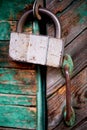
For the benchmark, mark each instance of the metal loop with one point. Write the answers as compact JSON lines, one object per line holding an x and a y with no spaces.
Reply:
{"x":43,"y":11}
{"x":36,"y":6}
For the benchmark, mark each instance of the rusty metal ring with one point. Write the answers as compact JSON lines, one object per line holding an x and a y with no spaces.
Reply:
{"x":43,"y":11}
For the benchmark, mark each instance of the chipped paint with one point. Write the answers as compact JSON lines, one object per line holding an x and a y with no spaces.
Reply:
{"x":17,"y":116}
{"x":10,"y":9}
{"x":82,"y":12}
{"x":5,"y":30}
{"x":17,"y":81}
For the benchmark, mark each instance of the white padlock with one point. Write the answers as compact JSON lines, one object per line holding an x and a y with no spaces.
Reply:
{"x":37,"y":49}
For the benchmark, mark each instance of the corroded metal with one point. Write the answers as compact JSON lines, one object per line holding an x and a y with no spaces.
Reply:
{"x":43,"y":11}
{"x":37,"y":4}
{"x":69,"y":114}
{"x":68,"y":61}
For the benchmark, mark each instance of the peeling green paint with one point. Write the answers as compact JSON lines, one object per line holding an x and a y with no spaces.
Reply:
{"x":11,"y":11}
{"x":82,"y":12}
{"x":20,"y":100}
{"x":13,"y":81}
{"x":17,"y":86}
{"x":5,"y":30}
{"x":11,"y":8}
{"x":16,"y":116}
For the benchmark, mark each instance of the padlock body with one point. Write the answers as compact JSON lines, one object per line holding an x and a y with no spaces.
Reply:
{"x":37,"y":49}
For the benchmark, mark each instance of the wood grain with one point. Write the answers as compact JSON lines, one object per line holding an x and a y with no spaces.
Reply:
{"x":55,"y":6}
{"x":11,"y":9}
{"x":21,"y":100}
{"x":13,"y":81}
{"x":78,"y":50}
{"x":57,"y":101}
{"x":73,"y":21}
{"x":17,"y":116}
{"x":81,"y":121}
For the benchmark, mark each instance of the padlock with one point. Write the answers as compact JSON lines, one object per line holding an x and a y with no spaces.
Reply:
{"x":37,"y":49}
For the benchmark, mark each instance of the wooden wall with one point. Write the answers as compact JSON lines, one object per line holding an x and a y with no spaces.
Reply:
{"x":18,"y":81}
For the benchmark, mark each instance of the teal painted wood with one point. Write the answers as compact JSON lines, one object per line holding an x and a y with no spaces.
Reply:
{"x":10,"y":10}
{"x":17,"y":81}
{"x":21,"y":100}
{"x":6,"y":27}
{"x":17,"y":98}
{"x":41,"y":88}
{"x":5,"y":30}
{"x":17,"y":86}
{"x":10,"y":13}
{"x":17,"y":116}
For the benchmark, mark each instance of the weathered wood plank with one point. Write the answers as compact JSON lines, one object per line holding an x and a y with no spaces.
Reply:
{"x":56,"y":6}
{"x":81,"y":126}
{"x":78,"y":50}
{"x":19,"y":117}
{"x":56,"y":101}
{"x":21,"y":100}
{"x":5,"y":128}
{"x":6,"y":61}
{"x":12,"y":9}
{"x":81,"y":120}
{"x":13,"y":81}
{"x":6,"y":27}
{"x":73,"y":21}
{"x":10,"y":15}
{"x":9,"y":128}
{"x":76,"y":20}
{"x":76,"y":17}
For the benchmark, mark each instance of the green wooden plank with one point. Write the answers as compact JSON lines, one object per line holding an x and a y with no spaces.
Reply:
{"x":16,"y":116}
{"x":17,"y":81}
{"x":10,"y":13}
{"x":21,"y":100}
{"x":11,"y":9}
{"x":41,"y":90}
{"x":5,"y":30}
{"x":6,"y":61}
{"x":6,"y":27}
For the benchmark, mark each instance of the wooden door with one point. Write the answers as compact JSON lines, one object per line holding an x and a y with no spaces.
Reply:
{"x":18,"y":81}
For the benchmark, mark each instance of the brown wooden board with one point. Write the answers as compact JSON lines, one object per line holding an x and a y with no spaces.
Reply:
{"x":57,"y":101}
{"x":15,"y":77}
{"x":78,"y":50}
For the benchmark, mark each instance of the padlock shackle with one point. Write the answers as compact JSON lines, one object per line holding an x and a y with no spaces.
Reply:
{"x":44,"y":11}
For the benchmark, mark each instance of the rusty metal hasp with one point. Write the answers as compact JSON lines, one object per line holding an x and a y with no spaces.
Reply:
{"x":37,"y":49}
